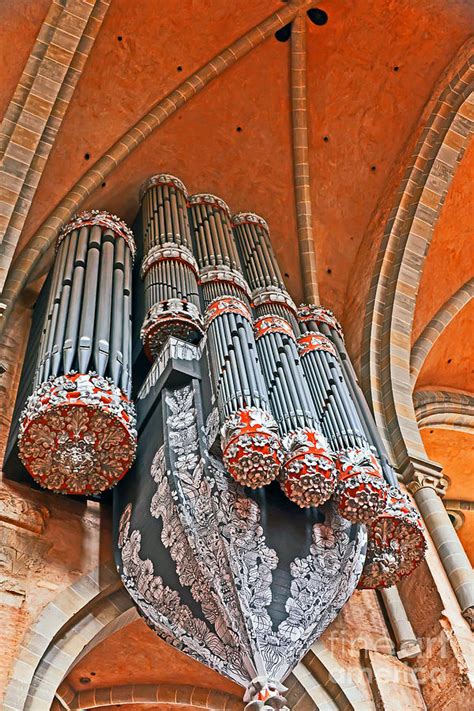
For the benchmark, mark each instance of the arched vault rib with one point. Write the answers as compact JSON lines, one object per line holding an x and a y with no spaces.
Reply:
{"x":391,"y":305}
{"x":444,"y":409}
{"x":44,"y":238}
{"x":436,"y":326}
{"x":35,"y":113}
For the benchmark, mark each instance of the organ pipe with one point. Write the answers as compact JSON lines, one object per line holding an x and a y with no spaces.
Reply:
{"x":77,"y":432}
{"x":284,"y":390}
{"x":252,"y":449}
{"x":169,"y":269}
{"x":395,"y":542}
{"x":308,"y":475}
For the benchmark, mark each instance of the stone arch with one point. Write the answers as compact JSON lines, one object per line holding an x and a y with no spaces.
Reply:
{"x":435,"y":327}
{"x":95,"y":607}
{"x":64,"y":627}
{"x":167,"y":694}
{"x":446,"y":128}
{"x":319,"y":681}
{"x":444,"y":409}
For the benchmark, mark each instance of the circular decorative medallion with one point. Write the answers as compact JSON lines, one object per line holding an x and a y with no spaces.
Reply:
{"x":77,"y":434}
{"x":251,"y":449}
{"x":172,"y":317}
{"x":396,"y":544}
{"x":361,"y":491}
{"x":308,"y":476}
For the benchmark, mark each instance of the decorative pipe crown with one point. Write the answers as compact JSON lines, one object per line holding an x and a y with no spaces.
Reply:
{"x":102,"y":218}
{"x":312,"y":312}
{"x":241,"y":218}
{"x":162,"y":179}
{"x":209,"y":199}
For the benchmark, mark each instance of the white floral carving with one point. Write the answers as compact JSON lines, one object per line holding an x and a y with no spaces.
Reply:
{"x":214,"y":535}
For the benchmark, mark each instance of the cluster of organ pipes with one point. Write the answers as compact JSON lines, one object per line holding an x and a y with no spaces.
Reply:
{"x":77,"y":432}
{"x":288,"y":402}
{"x":289,"y":405}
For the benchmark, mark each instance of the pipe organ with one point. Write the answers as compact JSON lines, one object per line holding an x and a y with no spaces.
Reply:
{"x":277,"y":378}
{"x":77,"y":431}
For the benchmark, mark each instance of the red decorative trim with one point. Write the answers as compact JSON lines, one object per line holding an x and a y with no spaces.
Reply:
{"x":242,"y":218}
{"x":225,"y":305}
{"x":224,"y":275}
{"x":312,"y":312}
{"x":273,"y":295}
{"x":312,"y":341}
{"x":166,"y":253}
{"x":272,"y":324}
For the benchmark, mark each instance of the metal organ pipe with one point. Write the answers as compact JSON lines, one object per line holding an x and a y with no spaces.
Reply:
{"x":367,"y":489}
{"x":252,"y":450}
{"x":308,"y":475}
{"x":77,"y":432}
{"x":169,"y":269}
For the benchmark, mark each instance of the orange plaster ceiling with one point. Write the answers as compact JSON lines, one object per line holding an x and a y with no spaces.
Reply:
{"x":136,"y":655}
{"x":454,"y":450}
{"x":450,"y":363}
{"x":466,"y":534}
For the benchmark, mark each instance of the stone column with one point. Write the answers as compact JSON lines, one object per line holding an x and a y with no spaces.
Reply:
{"x":407,"y":644}
{"x":427,"y":486}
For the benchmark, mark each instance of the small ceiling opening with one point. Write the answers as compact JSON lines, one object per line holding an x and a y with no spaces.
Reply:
{"x":317,"y":16}
{"x":284,"y":33}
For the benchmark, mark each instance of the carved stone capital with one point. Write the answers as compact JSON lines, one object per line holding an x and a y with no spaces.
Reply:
{"x":426,"y":473}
